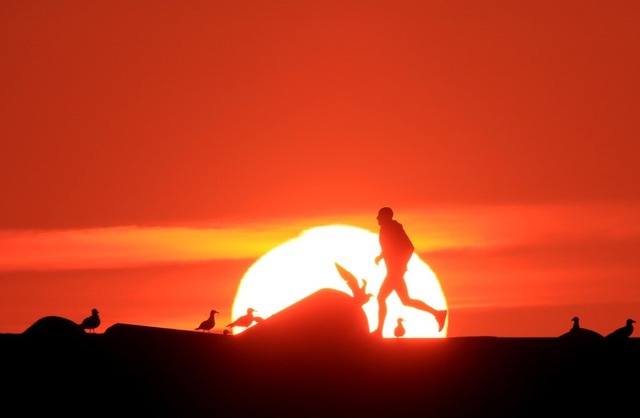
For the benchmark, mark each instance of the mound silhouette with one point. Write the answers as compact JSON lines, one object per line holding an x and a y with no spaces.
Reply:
{"x":54,"y":327}
{"x":326,"y":317}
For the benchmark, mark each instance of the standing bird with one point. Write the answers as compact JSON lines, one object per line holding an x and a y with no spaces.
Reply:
{"x":245,"y":320}
{"x":91,"y":322}
{"x":359,"y":293}
{"x":622,"y":333}
{"x":578,"y":333}
{"x":399,"y":330}
{"x":208,"y":324}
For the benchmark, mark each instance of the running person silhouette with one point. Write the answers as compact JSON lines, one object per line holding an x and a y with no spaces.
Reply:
{"x":396,"y":249}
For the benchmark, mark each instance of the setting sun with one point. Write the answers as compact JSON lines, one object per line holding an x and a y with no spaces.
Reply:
{"x":305,"y":264}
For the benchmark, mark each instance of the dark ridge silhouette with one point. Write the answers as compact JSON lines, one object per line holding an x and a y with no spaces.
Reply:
{"x":208,"y":324}
{"x":581,"y":334}
{"x":143,"y":334}
{"x":622,"y":333}
{"x":399,"y":330}
{"x":92,"y":322}
{"x":313,"y":359}
{"x":244,"y":321}
{"x":359,"y":292}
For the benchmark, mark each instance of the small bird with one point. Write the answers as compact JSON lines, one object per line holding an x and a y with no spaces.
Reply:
{"x":359,"y":292}
{"x":208,"y":324}
{"x":576,"y":332}
{"x":622,"y":333}
{"x":399,"y":330}
{"x":91,"y":322}
{"x":245,"y":320}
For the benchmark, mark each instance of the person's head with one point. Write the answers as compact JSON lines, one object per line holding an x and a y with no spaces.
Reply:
{"x":384,"y":214}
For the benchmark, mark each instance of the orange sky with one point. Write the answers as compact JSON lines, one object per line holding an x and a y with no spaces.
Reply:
{"x":151,"y":152}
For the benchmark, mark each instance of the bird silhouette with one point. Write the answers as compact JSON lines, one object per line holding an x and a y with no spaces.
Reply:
{"x":245,"y":320}
{"x":576,"y":332}
{"x":359,"y":292}
{"x":623,"y":332}
{"x":208,"y":324}
{"x":399,"y":330}
{"x":92,"y":322}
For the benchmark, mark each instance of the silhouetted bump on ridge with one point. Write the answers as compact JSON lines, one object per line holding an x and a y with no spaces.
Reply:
{"x":54,"y":326}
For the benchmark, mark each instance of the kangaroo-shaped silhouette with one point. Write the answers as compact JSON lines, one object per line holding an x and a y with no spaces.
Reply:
{"x":359,"y":292}
{"x":208,"y":324}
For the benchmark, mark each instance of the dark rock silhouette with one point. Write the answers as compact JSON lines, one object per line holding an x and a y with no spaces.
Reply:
{"x":623,"y":332}
{"x":581,"y":334}
{"x":244,"y":321}
{"x":208,"y":324}
{"x":399,"y":330}
{"x":359,"y":292}
{"x":92,"y":322}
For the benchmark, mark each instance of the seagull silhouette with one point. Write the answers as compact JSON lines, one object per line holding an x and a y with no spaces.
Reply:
{"x":245,"y":320}
{"x":208,"y":324}
{"x":623,"y":332}
{"x":359,"y":293}
{"x":399,"y":330}
{"x":576,"y":332}
{"x":91,"y":322}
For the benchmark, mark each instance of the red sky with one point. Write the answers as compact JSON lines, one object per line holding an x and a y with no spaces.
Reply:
{"x":152,"y":151}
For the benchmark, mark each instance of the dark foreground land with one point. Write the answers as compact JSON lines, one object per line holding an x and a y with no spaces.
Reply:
{"x":315,"y":359}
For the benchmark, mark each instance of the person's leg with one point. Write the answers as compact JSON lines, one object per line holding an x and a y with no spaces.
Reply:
{"x":385,"y":290}
{"x":403,"y":295}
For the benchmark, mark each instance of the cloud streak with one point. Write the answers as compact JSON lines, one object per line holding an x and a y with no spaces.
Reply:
{"x":131,"y":246}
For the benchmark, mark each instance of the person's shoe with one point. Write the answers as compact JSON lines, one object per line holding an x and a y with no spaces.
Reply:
{"x":441,"y":317}
{"x":377,"y":333}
